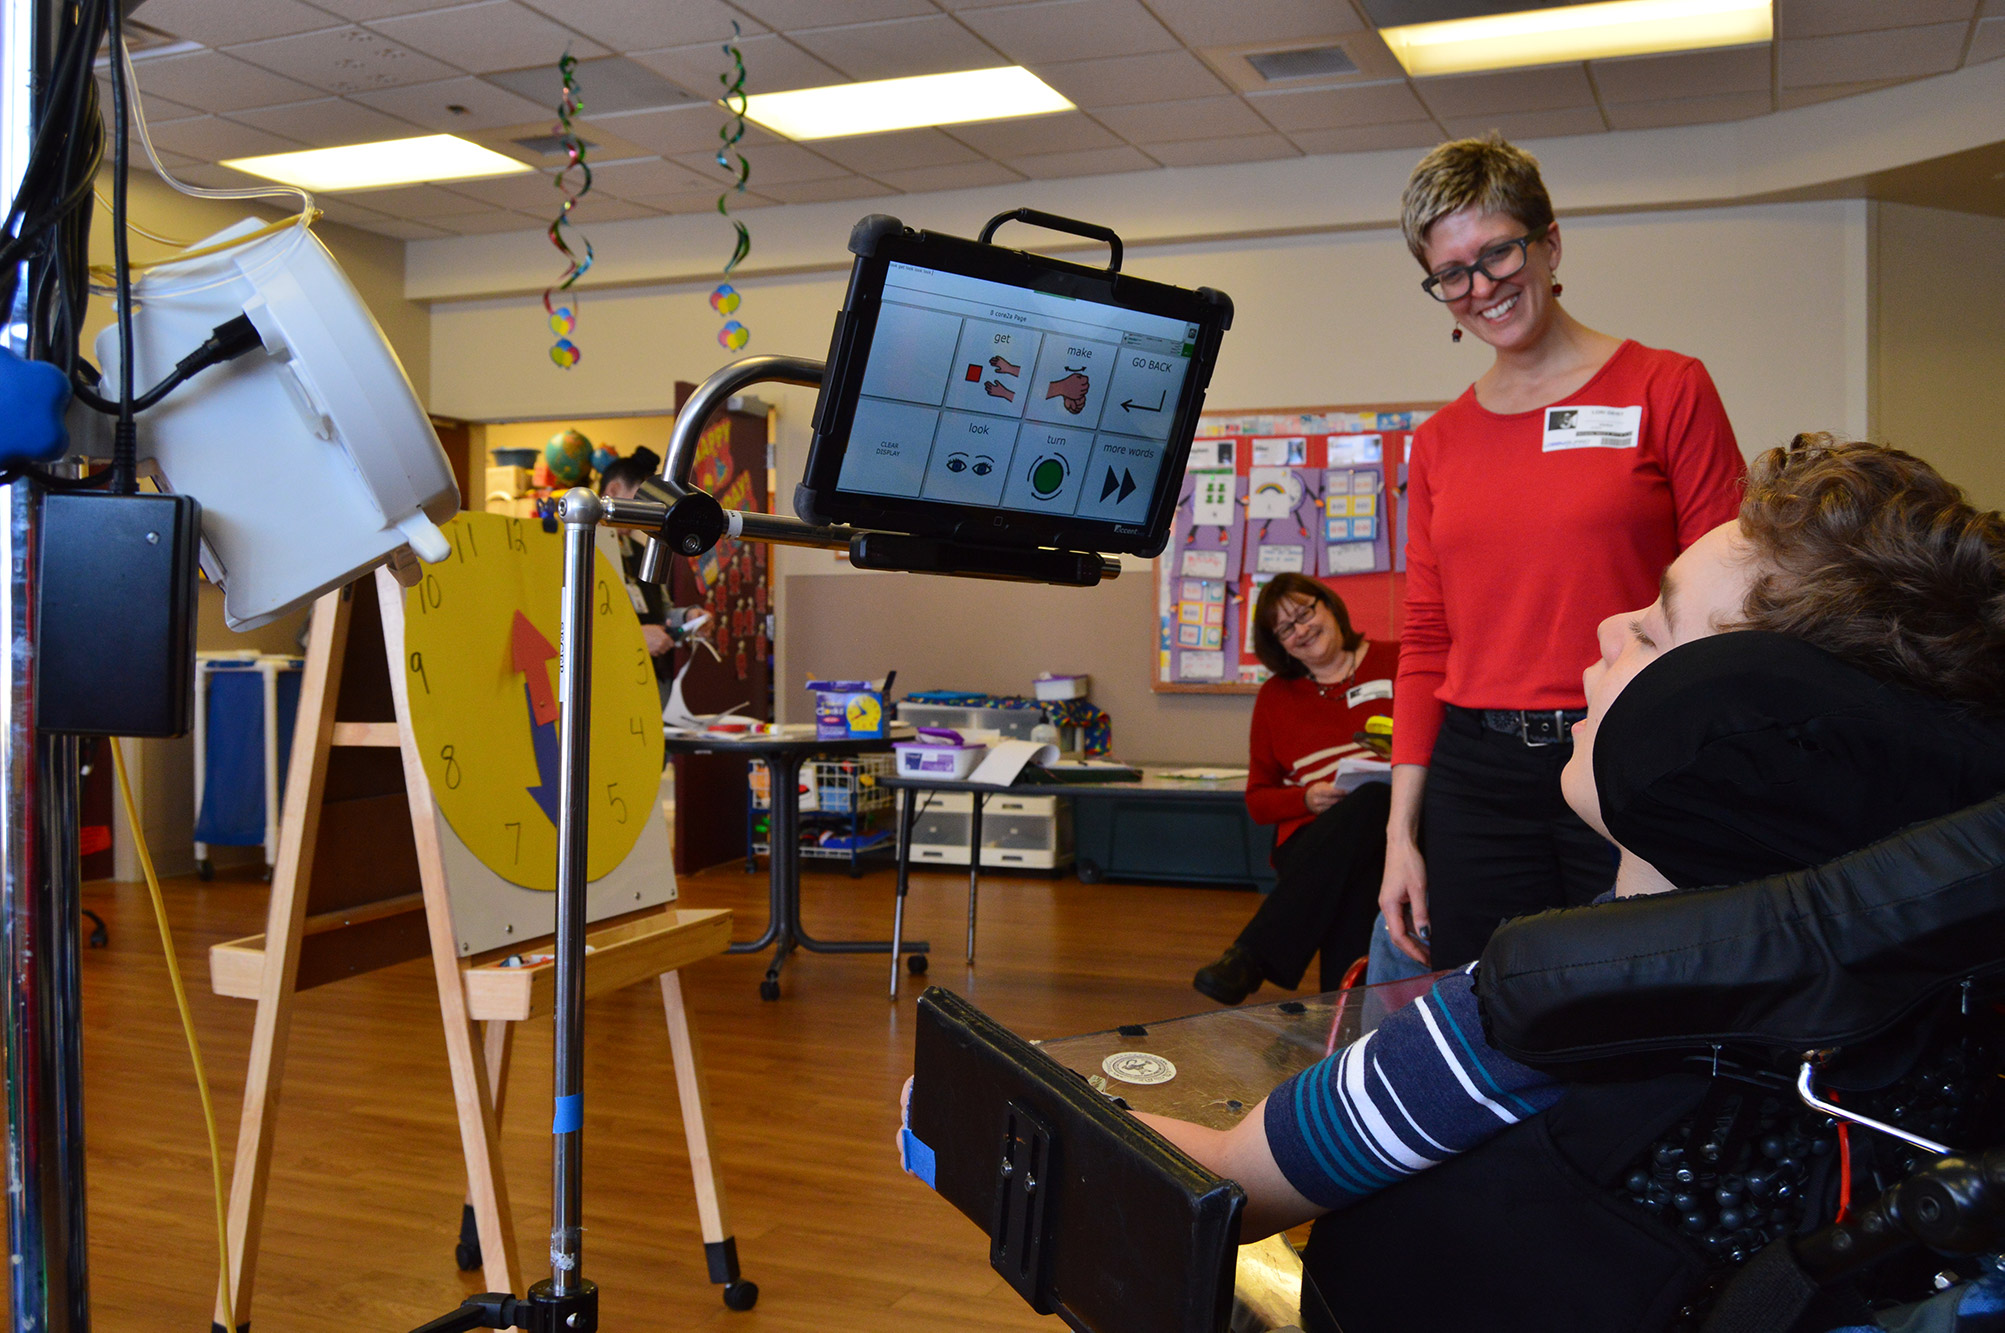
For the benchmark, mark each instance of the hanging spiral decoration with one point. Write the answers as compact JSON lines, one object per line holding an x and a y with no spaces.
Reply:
{"x":734,"y":335}
{"x":564,"y":318}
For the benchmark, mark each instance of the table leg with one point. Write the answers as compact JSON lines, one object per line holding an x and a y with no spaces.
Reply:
{"x":908,"y":809}
{"x":974,"y":867}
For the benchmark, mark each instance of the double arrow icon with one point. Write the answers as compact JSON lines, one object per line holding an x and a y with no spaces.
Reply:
{"x":1125,"y":484}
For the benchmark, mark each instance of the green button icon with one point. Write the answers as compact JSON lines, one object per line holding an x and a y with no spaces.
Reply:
{"x":1047,"y":476}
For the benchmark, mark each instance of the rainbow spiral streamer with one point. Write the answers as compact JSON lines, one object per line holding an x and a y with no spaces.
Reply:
{"x":564,"y":318}
{"x":734,"y":335}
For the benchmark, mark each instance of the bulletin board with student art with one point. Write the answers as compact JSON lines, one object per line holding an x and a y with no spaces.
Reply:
{"x":1319,"y":491}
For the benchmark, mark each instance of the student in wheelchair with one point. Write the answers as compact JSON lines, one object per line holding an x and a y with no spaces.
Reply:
{"x":1597,"y":1126}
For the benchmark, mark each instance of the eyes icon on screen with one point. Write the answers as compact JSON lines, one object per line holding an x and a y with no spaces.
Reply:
{"x":980,"y":464}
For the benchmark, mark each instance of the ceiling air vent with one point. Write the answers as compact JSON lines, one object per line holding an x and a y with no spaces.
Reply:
{"x":1303,"y":63}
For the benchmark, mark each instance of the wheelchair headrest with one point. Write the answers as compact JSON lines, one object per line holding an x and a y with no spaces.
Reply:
{"x":1829,"y":956}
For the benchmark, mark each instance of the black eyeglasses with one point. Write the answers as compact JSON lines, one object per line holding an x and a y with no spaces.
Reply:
{"x":1502,"y":260}
{"x":1284,"y":629}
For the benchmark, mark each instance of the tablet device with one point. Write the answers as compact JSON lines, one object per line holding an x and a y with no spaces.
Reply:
{"x":994,"y":397}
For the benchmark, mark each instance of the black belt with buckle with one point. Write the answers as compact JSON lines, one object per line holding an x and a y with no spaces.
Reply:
{"x":1534,"y":726}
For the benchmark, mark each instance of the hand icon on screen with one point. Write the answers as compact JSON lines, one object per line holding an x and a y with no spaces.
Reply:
{"x":996,"y":389}
{"x":1003,"y":367}
{"x":1072,"y":389}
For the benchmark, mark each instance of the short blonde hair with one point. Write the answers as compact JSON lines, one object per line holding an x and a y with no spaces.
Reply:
{"x":1486,"y":173}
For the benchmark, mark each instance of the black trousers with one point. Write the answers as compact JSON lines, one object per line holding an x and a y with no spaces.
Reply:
{"x":1326,"y":896}
{"x":1499,"y":838}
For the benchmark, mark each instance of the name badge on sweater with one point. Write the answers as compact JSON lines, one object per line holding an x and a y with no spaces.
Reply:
{"x":1592,"y":427}
{"x":1366,"y":692}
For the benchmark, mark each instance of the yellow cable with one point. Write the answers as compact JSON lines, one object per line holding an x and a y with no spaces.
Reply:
{"x":187,"y":1026}
{"x":104,"y":273}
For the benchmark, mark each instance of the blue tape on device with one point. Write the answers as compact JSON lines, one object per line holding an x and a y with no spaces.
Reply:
{"x":36,"y":394}
{"x":918,"y":1157}
{"x":570,"y":1116}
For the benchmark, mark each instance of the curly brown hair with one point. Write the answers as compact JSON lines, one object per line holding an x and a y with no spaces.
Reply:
{"x":1875,"y":557}
{"x":1279,"y":589}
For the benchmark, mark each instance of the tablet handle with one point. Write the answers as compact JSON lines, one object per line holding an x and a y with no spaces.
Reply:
{"x":1092,"y":231}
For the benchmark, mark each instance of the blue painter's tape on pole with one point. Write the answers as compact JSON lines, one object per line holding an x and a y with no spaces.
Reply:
{"x":570,"y":1117}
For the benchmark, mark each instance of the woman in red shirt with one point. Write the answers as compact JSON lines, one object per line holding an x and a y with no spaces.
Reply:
{"x":1549,"y":496}
{"x":1328,"y":681}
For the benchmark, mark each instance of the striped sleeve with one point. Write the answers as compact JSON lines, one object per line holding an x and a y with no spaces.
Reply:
{"x":1422,"y":1088}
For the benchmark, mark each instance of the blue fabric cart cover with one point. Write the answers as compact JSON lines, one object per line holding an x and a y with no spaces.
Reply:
{"x":233,"y":788}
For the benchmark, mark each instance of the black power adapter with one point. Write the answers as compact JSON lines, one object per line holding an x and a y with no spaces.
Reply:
{"x":115,"y":617}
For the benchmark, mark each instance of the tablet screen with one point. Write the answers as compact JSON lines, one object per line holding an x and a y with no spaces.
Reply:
{"x":984,"y":394}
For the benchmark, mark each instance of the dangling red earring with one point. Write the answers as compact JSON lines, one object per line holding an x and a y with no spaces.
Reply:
{"x":1456,"y":336}
{"x":1557,"y":287}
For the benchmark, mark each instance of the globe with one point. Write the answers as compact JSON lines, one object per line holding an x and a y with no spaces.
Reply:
{"x":569,"y":455}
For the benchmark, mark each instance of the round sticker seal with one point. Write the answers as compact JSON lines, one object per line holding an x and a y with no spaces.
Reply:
{"x":1138,"y":1067}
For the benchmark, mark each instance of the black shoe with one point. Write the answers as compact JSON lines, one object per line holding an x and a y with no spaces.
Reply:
{"x":1231,"y":979}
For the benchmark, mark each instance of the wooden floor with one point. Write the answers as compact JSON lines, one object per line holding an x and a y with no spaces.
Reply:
{"x":367,"y":1177}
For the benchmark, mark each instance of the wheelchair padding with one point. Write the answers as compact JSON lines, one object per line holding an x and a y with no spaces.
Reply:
{"x":1823,"y":957}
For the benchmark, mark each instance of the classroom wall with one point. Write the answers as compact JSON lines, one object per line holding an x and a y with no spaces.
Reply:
{"x":1773,"y":297}
{"x":1939,"y":380}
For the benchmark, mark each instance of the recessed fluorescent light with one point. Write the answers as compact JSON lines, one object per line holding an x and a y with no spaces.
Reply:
{"x":1578,"y":32}
{"x":371,"y":166}
{"x":903,"y":104}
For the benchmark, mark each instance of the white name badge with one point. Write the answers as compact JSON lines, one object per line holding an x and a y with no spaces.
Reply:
{"x":1367,"y":691}
{"x":1592,"y":428}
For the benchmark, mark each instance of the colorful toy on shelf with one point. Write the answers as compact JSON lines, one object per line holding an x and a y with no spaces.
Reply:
{"x":568,"y":455}
{"x":603,"y":456}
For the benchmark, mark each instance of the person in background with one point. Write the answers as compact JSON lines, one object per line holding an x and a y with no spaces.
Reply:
{"x":1329,"y":852}
{"x":1553,"y":493}
{"x":620,"y":481}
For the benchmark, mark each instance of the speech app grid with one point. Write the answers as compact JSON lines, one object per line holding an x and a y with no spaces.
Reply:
{"x":992,"y":396}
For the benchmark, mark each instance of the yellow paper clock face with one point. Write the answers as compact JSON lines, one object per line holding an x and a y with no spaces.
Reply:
{"x":480,"y":663}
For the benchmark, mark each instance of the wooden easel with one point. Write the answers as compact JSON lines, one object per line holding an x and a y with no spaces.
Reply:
{"x":360,"y":884}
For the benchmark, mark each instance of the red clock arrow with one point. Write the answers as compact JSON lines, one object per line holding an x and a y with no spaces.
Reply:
{"x":530,"y":651}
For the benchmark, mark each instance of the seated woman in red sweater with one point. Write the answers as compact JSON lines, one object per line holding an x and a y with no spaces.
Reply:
{"x":1329,"y":846}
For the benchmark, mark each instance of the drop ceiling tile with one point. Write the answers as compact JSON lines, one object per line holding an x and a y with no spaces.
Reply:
{"x":637,"y":180}
{"x":1368,"y":138}
{"x":173,"y":161}
{"x":1820,"y":18}
{"x":484,"y":106}
{"x":1285,"y":22}
{"x":343,"y":60}
{"x":1206,"y":152}
{"x":213,"y":25}
{"x":772,"y":65}
{"x":1789,"y":98}
{"x":821,"y":192}
{"x":1554,"y":124}
{"x":1060,"y":132}
{"x":605,"y":85}
{"x":1897,"y":53}
{"x":1071,"y":30}
{"x":789,"y":15}
{"x":491,"y":35}
{"x":1166,"y":76}
{"x":1091,"y":162}
{"x":1688,"y":110}
{"x":414,"y":201}
{"x":896,"y":151}
{"x":327,"y":122}
{"x":212,"y":138}
{"x":405,"y":231}
{"x":1337,"y":108}
{"x":679,"y":129}
{"x":357,"y":11}
{"x":958,"y":6}
{"x":1737,"y":69}
{"x":528,"y":192}
{"x":209,"y":81}
{"x":158,"y":109}
{"x":346,"y":211}
{"x":899,"y":47}
{"x":1197,"y":118}
{"x":775,"y":164}
{"x":604,"y":208}
{"x":705,"y":201}
{"x":1993,"y":9}
{"x":648,"y":25}
{"x":957,"y":176}
{"x":1988,"y":43}
{"x":485,"y":222}
{"x":1548,"y":89}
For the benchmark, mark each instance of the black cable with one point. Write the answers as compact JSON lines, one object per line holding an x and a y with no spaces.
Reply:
{"x":125,"y":435}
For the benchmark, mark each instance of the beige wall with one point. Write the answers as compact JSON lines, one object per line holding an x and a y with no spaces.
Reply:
{"x":1939,"y":377}
{"x":1772,"y":297}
